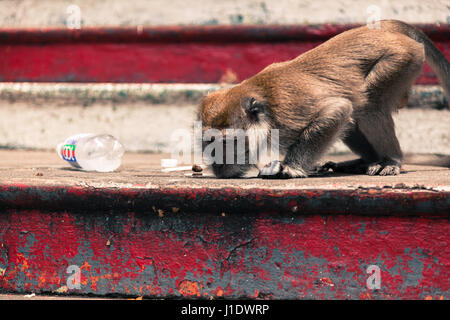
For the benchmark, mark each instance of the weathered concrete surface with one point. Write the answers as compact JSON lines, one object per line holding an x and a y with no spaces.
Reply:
{"x":48,"y":184}
{"x":87,"y":94}
{"x":39,"y":168}
{"x":29,"y":13}
{"x":140,"y":232}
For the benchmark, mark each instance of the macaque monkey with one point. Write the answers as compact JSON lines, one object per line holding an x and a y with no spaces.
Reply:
{"x":346,"y":88}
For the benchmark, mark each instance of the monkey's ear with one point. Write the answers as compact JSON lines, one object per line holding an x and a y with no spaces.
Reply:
{"x":253,"y":106}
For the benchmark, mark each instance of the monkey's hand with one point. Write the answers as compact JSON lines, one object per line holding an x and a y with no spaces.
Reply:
{"x":325,"y":167}
{"x":278,"y":170}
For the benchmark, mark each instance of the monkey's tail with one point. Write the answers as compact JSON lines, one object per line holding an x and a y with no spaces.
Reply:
{"x":433,"y":56}
{"x":438,"y":160}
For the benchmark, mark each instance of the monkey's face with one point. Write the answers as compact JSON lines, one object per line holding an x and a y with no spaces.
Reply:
{"x":230,"y":120}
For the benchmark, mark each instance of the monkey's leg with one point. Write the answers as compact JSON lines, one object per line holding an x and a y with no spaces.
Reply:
{"x":388,"y":83}
{"x":359,"y":144}
{"x":380,"y":132}
{"x":333,"y":117}
{"x":376,"y":123}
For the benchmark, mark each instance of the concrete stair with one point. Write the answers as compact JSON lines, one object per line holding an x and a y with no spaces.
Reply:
{"x":143,"y":232}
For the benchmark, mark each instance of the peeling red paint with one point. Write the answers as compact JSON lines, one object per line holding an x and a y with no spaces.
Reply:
{"x":255,"y":256}
{"x":189,"y":288}
{"x":165,"y":54}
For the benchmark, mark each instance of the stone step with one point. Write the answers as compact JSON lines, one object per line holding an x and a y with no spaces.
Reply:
{"x":116,"y":94}
{"x":205,"y":12}
{"x":142,"y":232}
{"x":168,"y":54}
{"x":145,"y":116}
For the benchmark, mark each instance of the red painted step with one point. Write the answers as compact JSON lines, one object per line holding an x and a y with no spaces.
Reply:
{"x":190,"y":54}
{"x":280,"y":244}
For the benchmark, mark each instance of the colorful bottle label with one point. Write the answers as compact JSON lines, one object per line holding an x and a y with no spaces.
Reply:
{"x":66,"y":149}
{"x":68,"y":152}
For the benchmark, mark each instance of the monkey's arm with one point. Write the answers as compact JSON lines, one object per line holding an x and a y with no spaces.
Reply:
{"x":333,"y":117}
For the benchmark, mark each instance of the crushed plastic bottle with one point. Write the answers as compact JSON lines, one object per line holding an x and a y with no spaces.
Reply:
{"x":92,"y":152}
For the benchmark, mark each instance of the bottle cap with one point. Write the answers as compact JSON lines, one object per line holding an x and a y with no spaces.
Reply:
{"x":58,"y":149}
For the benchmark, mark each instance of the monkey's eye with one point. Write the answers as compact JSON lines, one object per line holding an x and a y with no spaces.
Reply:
{"x":253,"y":106}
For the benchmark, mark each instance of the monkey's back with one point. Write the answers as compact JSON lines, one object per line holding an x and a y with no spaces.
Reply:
{"x":348,"y":65}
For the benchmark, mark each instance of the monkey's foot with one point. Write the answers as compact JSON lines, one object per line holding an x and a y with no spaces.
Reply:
{"x":278,"y":170}
{"x":384,"y":168}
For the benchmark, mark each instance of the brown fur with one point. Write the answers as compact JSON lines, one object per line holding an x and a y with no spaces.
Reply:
{"x":345,"y":88}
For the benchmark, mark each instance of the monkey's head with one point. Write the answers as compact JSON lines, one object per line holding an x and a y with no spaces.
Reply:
{"x":231,"y":120}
